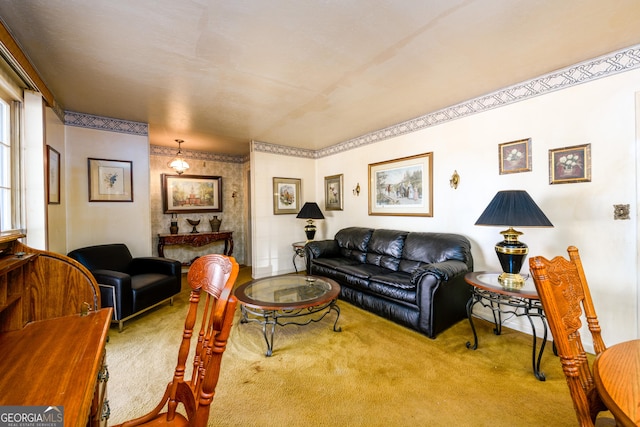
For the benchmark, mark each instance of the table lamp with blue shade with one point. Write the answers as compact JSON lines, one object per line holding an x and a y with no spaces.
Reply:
{"x":512,"y":208}
{"x":310,"y":211}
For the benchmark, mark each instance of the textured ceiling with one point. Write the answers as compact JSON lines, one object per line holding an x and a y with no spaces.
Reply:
{"x":307,"y":74}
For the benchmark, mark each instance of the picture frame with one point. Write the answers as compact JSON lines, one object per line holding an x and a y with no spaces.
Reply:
{"x":110,"y":180}
{"x":333,"y":193}
{"x":286,"y":195}
{"x":53,"y":176}
{"x":402,"y":187}
{"x":515,"y":156}
{"x":570,"y":164}
{"x":191,"y":193}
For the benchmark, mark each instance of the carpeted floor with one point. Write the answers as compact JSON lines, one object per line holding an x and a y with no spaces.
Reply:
{"x":373,"y":373}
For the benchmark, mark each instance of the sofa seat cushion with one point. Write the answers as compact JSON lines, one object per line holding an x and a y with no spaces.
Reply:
{"x":149,"y":289}
{"x":396,"y":285}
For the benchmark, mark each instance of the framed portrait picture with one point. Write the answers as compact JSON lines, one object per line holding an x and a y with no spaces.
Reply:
{"x":191,"y":193}
{"x":53,"y":176}
{"x":402,"y":186}
{"x":333,"y":193}
{"x":570,"y":164}
{"x":110,"y":180}
{"x":515,"y":156}
{"x":286,"y":195}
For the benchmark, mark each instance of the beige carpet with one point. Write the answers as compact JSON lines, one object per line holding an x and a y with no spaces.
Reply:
{"x":373,"y":373}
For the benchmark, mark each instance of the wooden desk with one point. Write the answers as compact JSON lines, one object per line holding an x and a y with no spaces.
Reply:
{"x":617,"y":376}
{"x":56,"y":362}
{"x":196,"y":240}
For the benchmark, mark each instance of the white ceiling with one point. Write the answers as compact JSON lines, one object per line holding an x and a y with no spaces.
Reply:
{"x":301,"y":73}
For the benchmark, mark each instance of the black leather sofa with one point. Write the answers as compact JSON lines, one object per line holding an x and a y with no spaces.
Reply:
{"x":130,"y":285}
{"x":413,"y":278}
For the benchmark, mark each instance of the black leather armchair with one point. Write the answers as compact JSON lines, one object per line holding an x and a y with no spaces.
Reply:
{"x":130,"y":285}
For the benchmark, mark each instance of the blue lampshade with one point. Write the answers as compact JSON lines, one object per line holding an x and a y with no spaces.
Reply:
{"x":513,"y":208}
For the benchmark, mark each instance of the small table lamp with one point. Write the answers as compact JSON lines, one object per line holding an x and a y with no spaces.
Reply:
{"x":310,"y":211}
{"x":512,"y":208}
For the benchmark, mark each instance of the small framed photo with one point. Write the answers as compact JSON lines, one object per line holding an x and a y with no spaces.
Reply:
{"x":333,"y":193}
{"x":515,"y":156}
{"x":191,"y":193}
{"x":53,"y":176}
{"x":286,"y":196}
{"x":110,"y":180}
{"x":402,"y":187}
{"x":570,"y":164}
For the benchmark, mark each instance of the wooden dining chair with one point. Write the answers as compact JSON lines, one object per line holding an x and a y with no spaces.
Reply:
{"x":564,"y":293}
{"x":215,"y":275}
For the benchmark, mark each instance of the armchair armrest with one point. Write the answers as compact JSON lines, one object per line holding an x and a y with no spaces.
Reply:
{"x":159,"y":265}
{"x":120,"y":297}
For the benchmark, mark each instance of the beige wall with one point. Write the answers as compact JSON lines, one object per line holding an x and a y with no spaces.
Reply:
{"x":56,"y":214}
{"x":601,"y":113}
{"x":93,"y":223}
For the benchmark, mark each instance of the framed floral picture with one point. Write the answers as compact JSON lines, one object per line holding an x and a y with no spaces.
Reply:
{"x":110,"y":180}
{"x":333,"y":188}
{"x":286,"y":196}
{"x":570,"y":164}
{"x":515,"y":156}
{"x":402,"y":187}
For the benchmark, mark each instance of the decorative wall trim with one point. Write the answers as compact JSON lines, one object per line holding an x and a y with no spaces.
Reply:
{"x":105,"y":123}
{"x":157,"y":150}
{"x":283,"y":150}
{"x":604,"y":66}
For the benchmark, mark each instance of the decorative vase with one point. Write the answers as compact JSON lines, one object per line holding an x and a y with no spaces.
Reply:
{"x":173,"y":229}
{"x":215,"y":224}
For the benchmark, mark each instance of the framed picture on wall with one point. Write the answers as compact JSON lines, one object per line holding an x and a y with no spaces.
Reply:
{"x":286,"y":195}
{"x":515,"y":156}
{"x":110,"y":180}
{"x":333,"y":193}
{"x":53,"y":176}
{"x":402,"y":186}
{"x":191,"y":193}
{"x":570,"y":164}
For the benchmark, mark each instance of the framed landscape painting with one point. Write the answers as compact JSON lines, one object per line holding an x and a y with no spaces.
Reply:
{"x":286,"y":196}
{"x":402,"y":186}
{"x":191,"y":193}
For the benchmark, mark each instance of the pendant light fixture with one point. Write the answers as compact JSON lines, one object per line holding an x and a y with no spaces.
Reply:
{"x":178,"y":163}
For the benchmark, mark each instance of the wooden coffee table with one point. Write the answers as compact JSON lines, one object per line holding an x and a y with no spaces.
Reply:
{"x":290,"y":299}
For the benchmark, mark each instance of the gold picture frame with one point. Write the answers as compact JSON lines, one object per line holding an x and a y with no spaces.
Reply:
{"x":402,"y":187}
{"x":286,"y":195}
{"x":515,"y":156}
{"x":333,"y":193}
{"x":110,"y":180}
{"x":570,"y":164}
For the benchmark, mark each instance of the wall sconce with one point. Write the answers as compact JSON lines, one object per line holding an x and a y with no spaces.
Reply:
{"x":234,"y":195}
{"x":178,"y":163}
{"x":356,"y":191}
{"x":455,"y":180}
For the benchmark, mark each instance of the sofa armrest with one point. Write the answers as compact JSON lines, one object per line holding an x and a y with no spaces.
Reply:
{"x":442,"y":270}
{"x":320,"y":249}
{"x":143,"y":265}
{"x":121,"y":298}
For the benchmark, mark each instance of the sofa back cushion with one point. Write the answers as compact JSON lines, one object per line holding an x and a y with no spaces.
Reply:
{"x":421,"y":248}
{"x":116,"y":257}
{"x":353,"y":242}
{"x":385,"y":248}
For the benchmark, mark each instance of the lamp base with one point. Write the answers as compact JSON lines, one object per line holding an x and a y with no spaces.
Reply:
{"x":310,"y":230}
{"x":511,"y":281}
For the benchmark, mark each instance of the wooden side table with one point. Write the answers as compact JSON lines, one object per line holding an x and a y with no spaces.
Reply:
{"x":486,"y":290}
{"x":196,"y":240}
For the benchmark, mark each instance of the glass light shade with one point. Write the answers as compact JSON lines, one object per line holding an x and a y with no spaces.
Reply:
{"x":179,"y":165}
